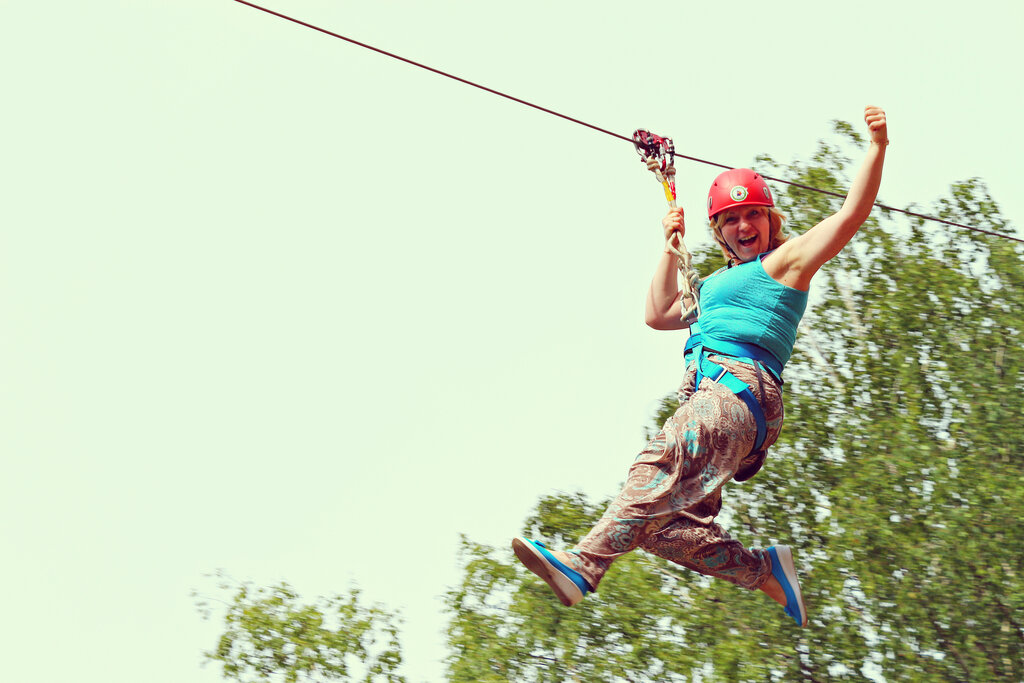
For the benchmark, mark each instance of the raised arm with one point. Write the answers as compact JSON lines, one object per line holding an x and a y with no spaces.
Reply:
{"x":796,"y":261}
{"x":663,"y":309}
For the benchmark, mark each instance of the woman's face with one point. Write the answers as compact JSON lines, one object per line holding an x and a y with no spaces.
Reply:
{"x":745,"y":229}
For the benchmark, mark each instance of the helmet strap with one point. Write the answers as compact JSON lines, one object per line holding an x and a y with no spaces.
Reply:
{"x":725,"y":245}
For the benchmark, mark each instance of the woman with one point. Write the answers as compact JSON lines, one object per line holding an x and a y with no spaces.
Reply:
{"x":731,"y":400}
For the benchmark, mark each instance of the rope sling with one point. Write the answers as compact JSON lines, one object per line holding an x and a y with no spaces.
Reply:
{"x":658,"y":153}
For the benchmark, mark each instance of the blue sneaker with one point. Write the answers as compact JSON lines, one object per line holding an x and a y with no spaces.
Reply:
{"x":568,"y":584}
{"x":784,"y":572}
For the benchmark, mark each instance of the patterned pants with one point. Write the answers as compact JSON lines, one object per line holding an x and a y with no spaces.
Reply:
{"x":674,"y":488}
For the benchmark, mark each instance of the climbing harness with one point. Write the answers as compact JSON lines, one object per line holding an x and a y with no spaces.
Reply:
{"x":659,"y":155}
{"x":761,"y":361}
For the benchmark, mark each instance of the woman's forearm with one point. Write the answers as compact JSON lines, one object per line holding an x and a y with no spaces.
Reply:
{"x":662,"y":310}
{"x":864,"y":189}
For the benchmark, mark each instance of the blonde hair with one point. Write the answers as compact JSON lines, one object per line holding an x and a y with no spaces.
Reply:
{"x":775,"y":235}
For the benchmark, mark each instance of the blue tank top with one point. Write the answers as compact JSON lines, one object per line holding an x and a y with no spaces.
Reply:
{"x":745,"y":305}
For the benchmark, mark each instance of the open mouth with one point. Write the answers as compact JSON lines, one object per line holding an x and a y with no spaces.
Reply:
{"x":748,"y":241}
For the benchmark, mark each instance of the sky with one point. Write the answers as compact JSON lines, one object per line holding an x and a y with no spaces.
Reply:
{"x":276,"y":304}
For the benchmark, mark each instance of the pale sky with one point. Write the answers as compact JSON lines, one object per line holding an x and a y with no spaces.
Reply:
{"x":277,"y":304}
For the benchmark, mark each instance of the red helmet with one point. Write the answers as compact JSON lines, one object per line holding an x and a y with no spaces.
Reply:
{"x":738,"y":187}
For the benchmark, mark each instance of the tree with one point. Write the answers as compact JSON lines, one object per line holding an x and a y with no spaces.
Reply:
{"x":271,"y":635}
{"x":898,"y":479}
{"x":508,"y":627}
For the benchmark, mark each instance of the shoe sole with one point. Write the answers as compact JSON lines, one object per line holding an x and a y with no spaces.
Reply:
{"x":785,"y":556}
{"x":568,"y":592}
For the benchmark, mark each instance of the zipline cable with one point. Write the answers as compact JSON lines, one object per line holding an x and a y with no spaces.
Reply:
{"x":433,"y":70}
{"x":604,"y":130}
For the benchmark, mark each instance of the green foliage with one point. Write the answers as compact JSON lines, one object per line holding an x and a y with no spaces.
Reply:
{"x":271,"y":635}
{"x":508,"y":626}
{"x":901,"y":451}
{"x":897,"y":479}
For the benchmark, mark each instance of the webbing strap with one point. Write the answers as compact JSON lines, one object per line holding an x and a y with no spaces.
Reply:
{"x":716,"y":373}
{"x":694,"y":341}
{"x":746,"y":353}
{"x":748,"y":397}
